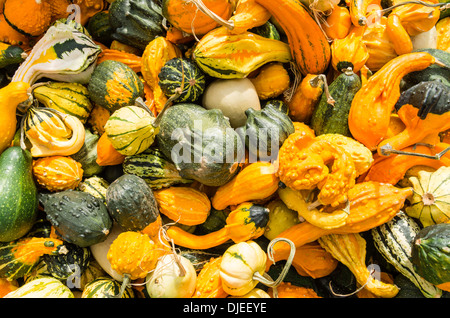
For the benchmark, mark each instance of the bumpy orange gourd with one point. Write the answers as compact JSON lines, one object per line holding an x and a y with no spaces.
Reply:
{"x":350,"y":250}
{"x":303,"y":164}
{"x":443,"y":34}
{"x":417,"y":18}
{"x":10,"y":97}
{"x":371,"y":204}
{"x":29,"y":17}
{"x":57,"y":173}
{"x":255,"y":182}
{"x":372,"y":105}
{"x":287,"y":290}
{"x":209,"y":283}
{"x":183,"y":205}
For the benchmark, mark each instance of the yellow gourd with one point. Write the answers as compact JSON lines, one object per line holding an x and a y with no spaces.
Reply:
{"x":10,"y":97}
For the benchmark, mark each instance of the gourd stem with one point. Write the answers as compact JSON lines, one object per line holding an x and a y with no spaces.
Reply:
{"x":321,"y":78}
{"x":203,"y":8}
{"x":126,"y":281}
{"x":387,"y":149}
{"x":166,"y":106}
{"x":266,"y":279}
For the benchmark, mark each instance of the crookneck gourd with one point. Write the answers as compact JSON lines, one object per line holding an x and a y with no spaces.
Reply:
{"x":425,"y":110}
{"x":373,"y":104}
{"x":246,"y":222}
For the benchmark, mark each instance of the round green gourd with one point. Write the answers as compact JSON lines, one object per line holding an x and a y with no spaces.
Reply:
{"x":104,"y":287}
{"x":184,"y":76}
{"x":431,"y":253}
{"x":131,"y":203}
{"x":201,"y":143}
{"x":68,"y":265}
{"x":136,"y":22}
{"x":19,"y":197}
{"x":78,"y":217}
{"x":114,"y":84}
{"x":99,"y":28}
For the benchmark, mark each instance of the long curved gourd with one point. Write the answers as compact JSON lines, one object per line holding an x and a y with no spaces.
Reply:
{"x":371,"y":204}
{"x":246,"y":222}
{"x":10,"y":97}
{"x":309,"y":45}
{"x":372,"y":105}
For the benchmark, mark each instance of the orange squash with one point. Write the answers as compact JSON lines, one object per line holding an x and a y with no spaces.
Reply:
{"x":183,"y":205}
{"x":248,"y":15}
{"x":305,"y":98}
{"x":349,"y":51}
{"x":130,"y":59}
{"x":287,"y":290}
{"x":28,"y":17}
{"x":398,"y":35}
{"x":209,"y":283}
{"x":107,"y":155}
{"x":338,"y":23}
{"x":373,"y":104}
{"x":194,"y":17}
{"x":57,"y":173}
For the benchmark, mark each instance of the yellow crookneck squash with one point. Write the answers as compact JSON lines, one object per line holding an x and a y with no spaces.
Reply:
{"x":349,"y":51}
{"x":10,"y":97}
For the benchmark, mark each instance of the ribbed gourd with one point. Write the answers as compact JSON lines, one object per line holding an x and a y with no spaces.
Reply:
{"x":429,"y":202}
{"x":152,"y":166}
{"x":69,"y":98}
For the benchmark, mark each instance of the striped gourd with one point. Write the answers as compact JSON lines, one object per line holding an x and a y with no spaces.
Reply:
{"x":130,"y":130}
{"x":64,"y":53}
{"x":157,"y":171}
{"x":104,"y":287}
{"x":224,"y":55}
{"x":394,"y":241}
{"x":183,"y":75}
{"x":309,"y":46}
{"x":43,"y":287}
{"x":96,"y":186}
{"x":68,"y":98}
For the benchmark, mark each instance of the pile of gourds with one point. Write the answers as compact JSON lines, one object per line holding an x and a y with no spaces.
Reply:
{"x":224,"y":149}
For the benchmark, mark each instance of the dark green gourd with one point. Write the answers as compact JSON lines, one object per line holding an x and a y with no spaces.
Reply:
{"x":72,"y":263}
{"x":18,"y":194}
{"x":131,"y":203}
{"x":265,"y":130}
{"x":77,"y":216}
{"x":333,"y":118}
{"x":201,"y":143}
{"x":136,"y":22}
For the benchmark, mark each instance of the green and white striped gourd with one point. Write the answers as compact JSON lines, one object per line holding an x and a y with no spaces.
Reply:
{"x":96,"y":186}
{"x":394,"y":241}
{"x":64,"y":53}
{"x":43,"y":287}
{"x":104,"y":287}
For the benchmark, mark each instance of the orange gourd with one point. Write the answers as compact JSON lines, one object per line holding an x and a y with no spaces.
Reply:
{"x":398,"y":35}
{"x":288,"y":290}
{"x":255,"y":182}
{"x":98,"y":118}
{"x":338,"y":23}
{"x":417,"y":18}
{"x":305,"y":98}
{"x":373,"y":104}
{"x":28,"y":17}
{"x":183,"y":205}
{"x":57,"y":173}
{"x":209,"y":283}
{"x":130,"y":59}
{"x":107,"y":155}
{"x":247,"y":15}
{"x":11,"y":36}
{"x":197,"y":17}
{"x":349,"y":51}
{"x":271,"y":81}
{"x":371,"y":204}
